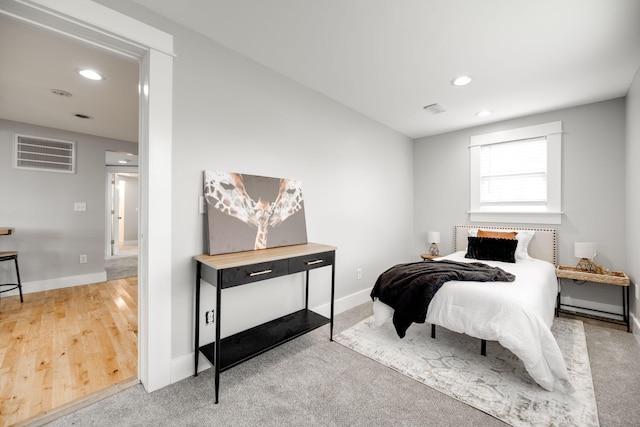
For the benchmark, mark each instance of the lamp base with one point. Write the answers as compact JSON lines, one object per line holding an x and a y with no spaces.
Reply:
{"x":588,"y":266}
{"x":433,"y":249}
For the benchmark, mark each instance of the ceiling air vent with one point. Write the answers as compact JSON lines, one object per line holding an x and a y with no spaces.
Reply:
{"x":45,"y":154}
{"x":434,"y":108}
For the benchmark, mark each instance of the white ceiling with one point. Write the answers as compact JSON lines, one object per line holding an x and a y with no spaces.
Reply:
{"x":389,"y":58}
{"x":384,"y":58}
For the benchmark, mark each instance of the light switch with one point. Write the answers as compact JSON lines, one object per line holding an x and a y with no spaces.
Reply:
{"x":80,"y":206}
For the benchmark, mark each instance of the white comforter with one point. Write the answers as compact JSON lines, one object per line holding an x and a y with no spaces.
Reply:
{"x":517,"y":314}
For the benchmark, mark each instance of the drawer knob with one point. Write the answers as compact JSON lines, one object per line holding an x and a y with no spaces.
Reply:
{"x":259,"y":273}
{"x":318,"y":261}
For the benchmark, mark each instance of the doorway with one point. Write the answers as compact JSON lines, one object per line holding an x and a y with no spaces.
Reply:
{"x":121,"y":245}
{"x":105,"y":28}
{"x":122,"y":207}
{"x":124,"y":214}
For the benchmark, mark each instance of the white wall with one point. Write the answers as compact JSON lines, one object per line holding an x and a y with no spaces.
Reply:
{"x":232,"y":114}
{"x":50,"y":235}
{"x":593,"y":189}
{"x":632,"y":157}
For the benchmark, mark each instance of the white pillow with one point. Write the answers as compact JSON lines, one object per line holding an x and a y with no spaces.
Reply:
{"x":523,"y":237}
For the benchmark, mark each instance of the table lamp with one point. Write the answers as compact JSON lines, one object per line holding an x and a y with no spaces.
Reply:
{"x":433,"y":237}
{"x":586,"y":252}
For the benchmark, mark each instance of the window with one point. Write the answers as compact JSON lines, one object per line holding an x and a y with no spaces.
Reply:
{"x":515,"y":175}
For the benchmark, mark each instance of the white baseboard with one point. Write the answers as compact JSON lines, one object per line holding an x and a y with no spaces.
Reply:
{"x":345,"y":303}
{"x":59,"y":283}
{"x":182,"y":367}
{"x":635,"y":328}
{"x":587,"y":305}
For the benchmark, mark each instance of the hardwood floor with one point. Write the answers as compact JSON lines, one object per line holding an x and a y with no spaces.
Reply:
{"x":63,"y":345}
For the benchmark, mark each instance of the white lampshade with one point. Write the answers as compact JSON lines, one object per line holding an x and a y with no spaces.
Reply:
{"x":584,"y":250}
{"x":433,"y":237}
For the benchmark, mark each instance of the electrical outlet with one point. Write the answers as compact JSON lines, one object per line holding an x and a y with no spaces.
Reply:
{"x":359,"y":273}
{"x":83,"y":259}
{"x":209,"y":317}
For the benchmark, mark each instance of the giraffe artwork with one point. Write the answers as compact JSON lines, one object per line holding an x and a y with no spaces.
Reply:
{"x":248,"y":212}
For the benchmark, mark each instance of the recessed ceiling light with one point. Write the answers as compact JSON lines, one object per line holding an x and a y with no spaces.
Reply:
{"x":484,"y":113}
{"x":461,"y":80}
{"x":90,"y":74}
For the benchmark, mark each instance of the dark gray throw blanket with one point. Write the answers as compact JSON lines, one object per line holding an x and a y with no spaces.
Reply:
{"x":409,"y":288}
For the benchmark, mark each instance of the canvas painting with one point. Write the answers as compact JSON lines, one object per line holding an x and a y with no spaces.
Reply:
{"x":248,"y":212}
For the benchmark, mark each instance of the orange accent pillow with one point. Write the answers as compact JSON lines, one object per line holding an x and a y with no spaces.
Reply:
{"x":511,"y":235}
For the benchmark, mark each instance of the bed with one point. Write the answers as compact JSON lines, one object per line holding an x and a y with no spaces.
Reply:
{"x":518,"y":314}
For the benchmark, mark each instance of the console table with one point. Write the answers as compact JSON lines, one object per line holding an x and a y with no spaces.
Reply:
{"x":241,"y":268}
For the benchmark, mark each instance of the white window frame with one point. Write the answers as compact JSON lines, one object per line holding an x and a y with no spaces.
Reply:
{"x":551,"y":213}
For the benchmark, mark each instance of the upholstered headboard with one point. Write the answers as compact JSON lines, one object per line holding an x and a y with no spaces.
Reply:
{"x":542,"y":245}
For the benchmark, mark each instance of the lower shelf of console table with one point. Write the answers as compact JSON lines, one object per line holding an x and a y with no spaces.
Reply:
{"x":247,"y":344}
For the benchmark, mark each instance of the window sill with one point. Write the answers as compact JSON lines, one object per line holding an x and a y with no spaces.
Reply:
{"x":516,"y":217}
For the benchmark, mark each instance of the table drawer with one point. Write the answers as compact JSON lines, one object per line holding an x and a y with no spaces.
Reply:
{"x":253,"y":273}
{"x":309,"y":262}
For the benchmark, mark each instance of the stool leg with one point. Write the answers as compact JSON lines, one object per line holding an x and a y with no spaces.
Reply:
{"x":18,"y":275}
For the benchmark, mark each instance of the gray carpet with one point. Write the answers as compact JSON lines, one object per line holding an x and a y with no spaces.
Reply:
{"x":312,"y":381}
{"x":121,"y":267}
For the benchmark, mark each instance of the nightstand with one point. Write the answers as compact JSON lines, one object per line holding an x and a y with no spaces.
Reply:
{"x":615,"y":278}
{"x":427,"y":256}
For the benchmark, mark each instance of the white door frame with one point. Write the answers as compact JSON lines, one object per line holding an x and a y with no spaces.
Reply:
{"x":102,"y":27}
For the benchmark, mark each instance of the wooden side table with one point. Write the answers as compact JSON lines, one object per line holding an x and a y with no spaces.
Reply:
{"x":427,"y":256}
{"x":615,"y":278}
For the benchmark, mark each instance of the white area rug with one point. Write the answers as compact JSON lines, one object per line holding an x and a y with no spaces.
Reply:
{"x":497,"y":384}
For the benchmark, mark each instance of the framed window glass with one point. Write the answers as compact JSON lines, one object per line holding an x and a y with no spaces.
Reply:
{"x":516,"y":175}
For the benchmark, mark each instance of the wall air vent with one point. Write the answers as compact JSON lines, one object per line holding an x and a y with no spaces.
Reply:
{"x":44,"y":154}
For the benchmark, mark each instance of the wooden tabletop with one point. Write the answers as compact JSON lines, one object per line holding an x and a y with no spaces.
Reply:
{"x":5,"y":231}
{"x":613,"y":278}
{"x":237,"y":259}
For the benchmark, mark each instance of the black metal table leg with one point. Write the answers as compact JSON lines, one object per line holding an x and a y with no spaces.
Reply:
{"x":333,"y":291}
{"x":197,"y":322}
{"x":217,"y":348}
{"x":306,"y":291}
{"x":625,"y":307}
